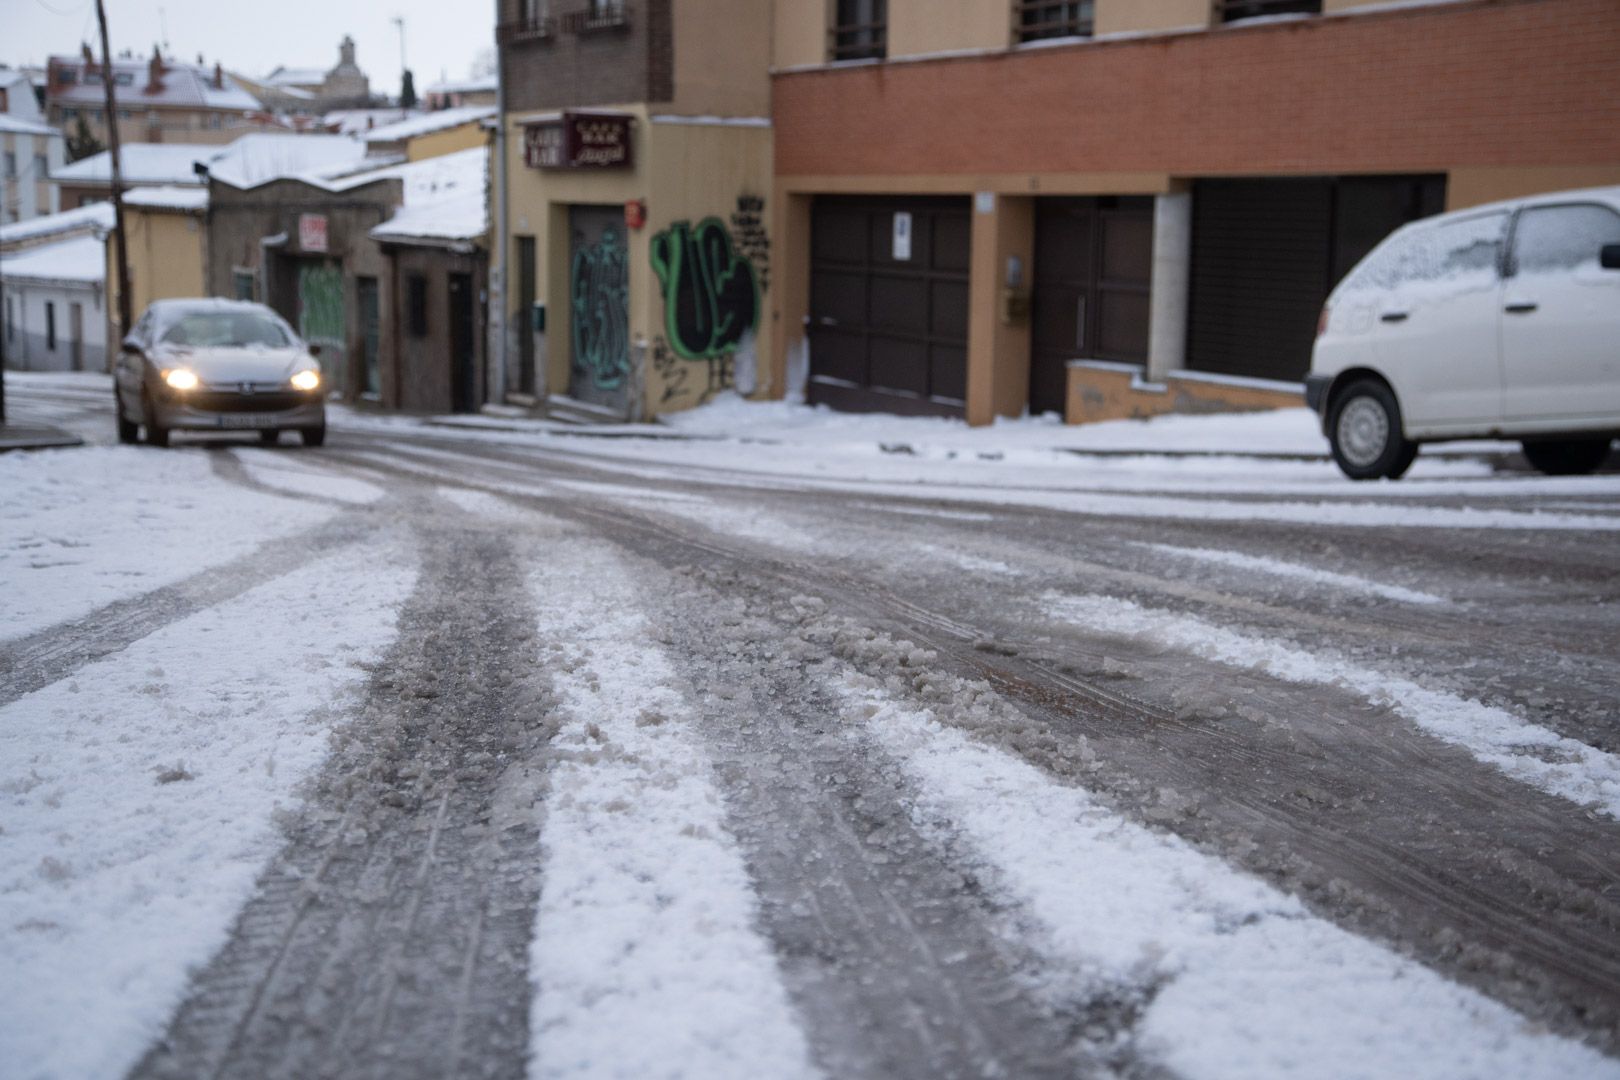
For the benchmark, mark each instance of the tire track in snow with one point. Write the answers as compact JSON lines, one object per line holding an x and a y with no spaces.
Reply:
{"x":1236,"y":980}
{"x":645,"y":959}
{"x":137,"y":799}
{"x":1525,"y":751}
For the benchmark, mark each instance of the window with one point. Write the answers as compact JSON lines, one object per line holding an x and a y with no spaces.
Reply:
{"x":1034,"y":20}
{"x":66,"y":76}
{"x":70,"y":114}
{"x":11,"y":164}
{"x":242,"y":284}
{"x":416,"y":304}
{"x":1458,"y":253}
{"x":92,"y":78}
{"x":11,"y":321}
{"x":1233,"y":10}
{"x":50,"y":326}
{"x":124,"y":78}
{"x":1562,"y":237}
{"x":860,"y":30}
{"x":41,"y":168}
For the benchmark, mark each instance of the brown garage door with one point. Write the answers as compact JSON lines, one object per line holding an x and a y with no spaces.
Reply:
{"x":1093,"y":270}
{"x":888,"y":304}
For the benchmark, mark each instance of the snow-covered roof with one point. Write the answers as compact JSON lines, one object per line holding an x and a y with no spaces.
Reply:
{"x":168,"y":198}
{"x":359,"y":121}
{"x":14,"y":125}
{"x":248,"y":161}
{"x":286,"y":76}
{"x":183,"y":85}
{"x":482,"y":84}
{"x":445,"y":199}
{"x":96,"y":216}
{"x":81,"y":259}
{"x":428,"y":123}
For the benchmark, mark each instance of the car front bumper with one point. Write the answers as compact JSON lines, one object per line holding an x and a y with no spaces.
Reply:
{"x":1316,"y":392}
{"x":265,"y":412}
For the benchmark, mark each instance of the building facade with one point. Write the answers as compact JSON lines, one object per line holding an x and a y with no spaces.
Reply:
{"x":633,"y":274}
{"x":53,"y":299}
{"x":166,"y":241}
{"x":981,"y":210}
{"x":156,"y":100}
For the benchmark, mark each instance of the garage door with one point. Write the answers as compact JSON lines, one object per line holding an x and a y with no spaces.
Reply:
{"x":1266,"y":253}
{"x":888,"y":304}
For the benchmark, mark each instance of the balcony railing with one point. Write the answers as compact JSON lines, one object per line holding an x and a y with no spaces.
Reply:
{"x":541,"y":28}
{"x":599,"y":16}
{"x":1034,"y":20}
{"x":1232,"y":10}
{"x":859,"y":41}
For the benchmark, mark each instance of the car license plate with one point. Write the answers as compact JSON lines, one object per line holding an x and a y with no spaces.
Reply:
{"x":247,"y":420}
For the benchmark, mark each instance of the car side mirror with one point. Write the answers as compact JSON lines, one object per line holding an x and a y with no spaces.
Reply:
{"x":314,"y":350}
{"x":132,"y":343}
{"x":1610,"y":256}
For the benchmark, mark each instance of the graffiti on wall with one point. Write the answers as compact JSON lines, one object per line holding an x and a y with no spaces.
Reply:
{"x":711,"y":301}
{"x":600,"y":289}
{"x":320,"y":302}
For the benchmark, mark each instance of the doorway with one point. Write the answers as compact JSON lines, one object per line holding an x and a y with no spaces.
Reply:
{"x":463,"y":372}
{"x":599,"y":308}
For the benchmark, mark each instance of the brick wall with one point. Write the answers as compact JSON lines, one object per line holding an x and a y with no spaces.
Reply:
{"x":1488,"y":82}
{"x":614,"y":66}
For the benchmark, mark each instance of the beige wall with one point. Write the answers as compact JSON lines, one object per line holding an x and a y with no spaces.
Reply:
{"x":799,"y":32}
{"x":167,"y":251}
{"x":684,"y":172}
{"x":998,"y":346}
{"x":448,"y":141}
{"x":1122,"y":16}
{"x":721,"y":68}
{"x":1471,"y":187}
{"x":930,"y":26}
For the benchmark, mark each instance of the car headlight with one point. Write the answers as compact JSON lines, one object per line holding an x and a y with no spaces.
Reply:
{"x":306,"y":380}
{"x":180,"y":379}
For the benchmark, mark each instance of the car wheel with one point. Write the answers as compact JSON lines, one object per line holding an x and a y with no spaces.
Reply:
{"x":270,"y":436}
{"x":1365,"y":431}
{"x":156,"y":434}
{"x":1567,"y":457}
{"x":313,"y":436}
{"x":128,"y":431}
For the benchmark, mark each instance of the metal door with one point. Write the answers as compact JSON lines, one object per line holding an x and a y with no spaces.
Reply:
{"x":371,"y":358}
{"x":599,"y":308}
{"x":320,"y":317}
{"x":1092,"y":276}
{"x":76,"y":330}
{"x":463,"y":376}
{"x":888,"y":304}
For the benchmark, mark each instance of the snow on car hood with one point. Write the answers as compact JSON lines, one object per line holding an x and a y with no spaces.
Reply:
{"x":228,"y":365}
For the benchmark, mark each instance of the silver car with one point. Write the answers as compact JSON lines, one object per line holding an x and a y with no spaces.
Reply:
{"x":217,"y":365}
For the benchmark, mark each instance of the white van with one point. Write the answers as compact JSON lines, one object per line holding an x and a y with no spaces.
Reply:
{"x":1497,"y":321}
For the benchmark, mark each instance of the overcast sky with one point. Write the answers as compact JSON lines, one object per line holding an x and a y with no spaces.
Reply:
{"x":256,"y":36}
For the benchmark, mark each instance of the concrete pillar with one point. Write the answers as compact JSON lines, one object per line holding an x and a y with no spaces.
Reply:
{"x":998,"y":333}
{"x":1172,"y":278}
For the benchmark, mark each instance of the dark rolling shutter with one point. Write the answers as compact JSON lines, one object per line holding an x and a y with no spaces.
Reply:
{"x":1259,"y":275}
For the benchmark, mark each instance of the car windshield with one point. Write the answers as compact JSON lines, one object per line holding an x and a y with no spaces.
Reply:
{"x":226,"y":329}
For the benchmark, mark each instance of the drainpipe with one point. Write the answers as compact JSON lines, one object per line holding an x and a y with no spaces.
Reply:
{"x":495,"y":389}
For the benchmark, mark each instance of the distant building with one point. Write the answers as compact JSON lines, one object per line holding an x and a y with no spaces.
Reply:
{"x":157,"y":100}
{"x":431,"y":134}
{"x":453,"y":94}
{"x":29,"y":150}
{"x":314,"y":91}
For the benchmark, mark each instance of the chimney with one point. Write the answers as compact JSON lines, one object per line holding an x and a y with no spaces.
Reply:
{"x":219,"y":77}
{"x":154,"y":72}
{"x":89,"y":58}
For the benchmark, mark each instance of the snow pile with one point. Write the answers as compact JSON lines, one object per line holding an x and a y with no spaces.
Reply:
{"x":1233,"y":978}
{"x":1527,"y":752}
{"x":645,"y":957}
{"x":137,"y":798}
{"x":86,"y":528}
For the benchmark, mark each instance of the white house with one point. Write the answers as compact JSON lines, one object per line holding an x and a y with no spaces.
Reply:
{"x":53,"y":298}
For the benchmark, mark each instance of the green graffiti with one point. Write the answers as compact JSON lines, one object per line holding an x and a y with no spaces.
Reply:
{"x":601,"y":311}
{"x":320,"y":302}
{"x":711,"y":293}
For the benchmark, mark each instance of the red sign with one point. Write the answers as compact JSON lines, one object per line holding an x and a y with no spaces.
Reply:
{"x":635,"y":214}
{"x":579,"y":141}
{"x":312,"y":232}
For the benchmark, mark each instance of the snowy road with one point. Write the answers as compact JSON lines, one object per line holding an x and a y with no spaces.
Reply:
{"x":463,"y":751}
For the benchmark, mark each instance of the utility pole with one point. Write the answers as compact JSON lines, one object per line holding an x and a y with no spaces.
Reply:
{"x":107,"y":81}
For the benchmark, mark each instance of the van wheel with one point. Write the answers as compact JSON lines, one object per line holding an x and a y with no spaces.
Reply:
{"x":1567,"y":457}
{"x":1365,"y":431}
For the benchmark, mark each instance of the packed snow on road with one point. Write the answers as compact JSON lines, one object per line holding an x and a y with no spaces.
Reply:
{"x":772,"y":742}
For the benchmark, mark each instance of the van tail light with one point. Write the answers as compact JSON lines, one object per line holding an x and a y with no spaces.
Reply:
{"x":1322,"y":321}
